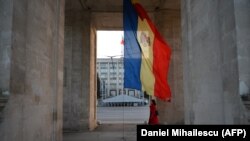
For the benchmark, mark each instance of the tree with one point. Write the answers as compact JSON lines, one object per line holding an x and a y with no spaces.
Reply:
{"x":98,"y":87}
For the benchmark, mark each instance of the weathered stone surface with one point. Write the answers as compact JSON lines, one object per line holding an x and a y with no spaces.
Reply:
{"x":242,"y":21}
{"x":34,"y":109}
{"x":5,"y":43}
{"x":210,"y":63}
{"x":78,"y":60}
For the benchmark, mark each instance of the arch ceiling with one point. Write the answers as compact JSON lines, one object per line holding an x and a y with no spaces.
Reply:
{"x":116,"y":5}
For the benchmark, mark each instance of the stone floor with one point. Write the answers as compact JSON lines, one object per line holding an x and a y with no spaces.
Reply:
{"x":105,"y":132}
{"x":115,"y":124}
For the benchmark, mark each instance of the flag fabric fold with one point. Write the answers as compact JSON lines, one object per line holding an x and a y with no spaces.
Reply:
{"x":146,"y":54}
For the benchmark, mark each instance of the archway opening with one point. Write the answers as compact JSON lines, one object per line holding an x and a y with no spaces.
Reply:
{"x":116,"y":104}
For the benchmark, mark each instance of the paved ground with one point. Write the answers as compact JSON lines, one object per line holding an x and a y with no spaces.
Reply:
{"x":105,"y":132}
{"x":135,"y":115}
{"x":117,"y":124}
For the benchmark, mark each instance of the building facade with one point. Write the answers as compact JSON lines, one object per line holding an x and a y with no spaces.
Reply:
{"x":111,"y":74}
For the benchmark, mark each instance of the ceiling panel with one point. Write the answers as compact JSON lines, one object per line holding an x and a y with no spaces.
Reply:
{"x":116,"y":5}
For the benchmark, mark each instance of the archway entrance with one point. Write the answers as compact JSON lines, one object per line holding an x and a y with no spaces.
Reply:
{"x":115,"y":104}
{"x":82,"y":22}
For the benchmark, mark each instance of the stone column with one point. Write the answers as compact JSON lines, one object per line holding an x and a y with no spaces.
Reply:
{"x":210,"y":63}
{"x":168,"y":23}
{"x":242,"y":21}
{"x":92,"y":80}
{"x":35,"y":35}
{"x":77,"y":68}
{"x":6,"y":10}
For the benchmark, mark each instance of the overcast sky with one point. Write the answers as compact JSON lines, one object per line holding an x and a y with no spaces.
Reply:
{"x":109,"y":44}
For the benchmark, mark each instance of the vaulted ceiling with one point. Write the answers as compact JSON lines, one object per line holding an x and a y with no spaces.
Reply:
{"x":116,"y":5}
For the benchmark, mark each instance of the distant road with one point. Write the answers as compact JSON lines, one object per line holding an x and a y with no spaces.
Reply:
{"x":137,"y":115}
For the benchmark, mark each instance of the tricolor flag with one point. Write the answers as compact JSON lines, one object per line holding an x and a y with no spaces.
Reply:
{"x":146,"y":54}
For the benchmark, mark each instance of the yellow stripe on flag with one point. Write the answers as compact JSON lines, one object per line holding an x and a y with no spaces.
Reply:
{"x":145,"y":38}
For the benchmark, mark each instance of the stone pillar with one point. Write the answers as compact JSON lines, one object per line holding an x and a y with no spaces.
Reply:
{"x":242,"y":21}
{"x":77,"y":97}
{"x":92,"y":80}
{"x":210,"y":63}
{"x":34,"y":109}
{"x":168,"y":23}
{"x":6,"y":10}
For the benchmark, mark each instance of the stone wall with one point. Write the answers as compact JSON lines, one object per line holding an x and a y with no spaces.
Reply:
{"x":34,"y":109}
{"x":77,"y":66}
{"x":6,"y":9}
{"x":211,"y":77}
{"x":242,"y":21}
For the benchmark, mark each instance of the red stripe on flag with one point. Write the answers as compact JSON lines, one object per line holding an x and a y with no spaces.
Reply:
{"x":161,"y":59}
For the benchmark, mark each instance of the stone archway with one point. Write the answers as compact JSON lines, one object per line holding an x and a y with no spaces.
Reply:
{"x":82,"y":20}
{"x":172,"y":19}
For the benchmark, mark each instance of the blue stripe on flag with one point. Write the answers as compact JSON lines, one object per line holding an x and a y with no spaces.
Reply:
{"x":132,"y":52}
